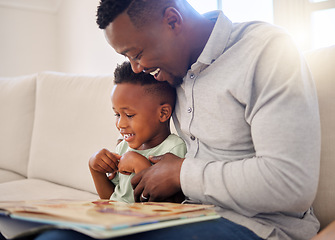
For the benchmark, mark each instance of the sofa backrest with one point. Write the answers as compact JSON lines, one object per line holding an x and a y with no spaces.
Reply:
{"x":17,"y":106}
{"x":322,"y":65}
{"x":73,"y":120}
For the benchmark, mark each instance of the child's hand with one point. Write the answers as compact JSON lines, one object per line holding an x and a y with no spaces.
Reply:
{"x":104,"y":161}
{"x":111,"y":175}
{"x":132,"y":162}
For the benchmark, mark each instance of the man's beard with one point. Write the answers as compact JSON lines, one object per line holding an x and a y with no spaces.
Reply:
{"x":177,"y":81}
{"x":173,"y":80}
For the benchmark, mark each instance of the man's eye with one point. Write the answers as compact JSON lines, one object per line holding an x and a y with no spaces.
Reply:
{"x":130,"y":115}
{"x":137,"y":57}
{"x":117,"y":115}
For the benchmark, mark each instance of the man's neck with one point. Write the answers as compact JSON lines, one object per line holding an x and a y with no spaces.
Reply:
{"x":202,"y":29}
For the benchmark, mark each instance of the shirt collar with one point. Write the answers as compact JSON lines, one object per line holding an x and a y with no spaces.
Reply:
{"x":217,"y":40}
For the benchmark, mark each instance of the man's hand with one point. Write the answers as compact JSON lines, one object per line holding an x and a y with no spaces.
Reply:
{"x":160,"y":182}
{"x":132,"y":162}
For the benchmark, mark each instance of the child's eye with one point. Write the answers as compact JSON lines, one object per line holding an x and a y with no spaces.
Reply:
{"x":117,"y":115}
{"x":130,"y":115}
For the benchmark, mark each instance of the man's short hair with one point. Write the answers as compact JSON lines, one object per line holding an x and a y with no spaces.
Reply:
{"x":140,"y":12}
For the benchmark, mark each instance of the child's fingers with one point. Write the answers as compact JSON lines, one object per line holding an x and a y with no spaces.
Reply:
{"x":110,"y":159}
{"x":111,"y":175}
{"x":125,"y":172}
{"x":99,"y":169}
{"x":155,"y":159}
{"x":113,"y":156}
{"x":105,"y":161}
{"x":108,"y":164}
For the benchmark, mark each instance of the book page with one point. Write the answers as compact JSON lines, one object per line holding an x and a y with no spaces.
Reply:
{"x":106,"y":214}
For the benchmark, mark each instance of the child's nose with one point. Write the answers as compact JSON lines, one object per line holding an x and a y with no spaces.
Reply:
{"x":122,"y":123}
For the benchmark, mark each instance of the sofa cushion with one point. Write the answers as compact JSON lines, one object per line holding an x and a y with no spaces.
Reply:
{"x":7,"y":176}
{"x":34,"y":189}
{"x":73,"y":120}
{"x":321,"y":63}
{"x":17,"y":106}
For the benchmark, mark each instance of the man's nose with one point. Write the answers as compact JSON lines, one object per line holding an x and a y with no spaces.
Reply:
{"x":136,"y":67}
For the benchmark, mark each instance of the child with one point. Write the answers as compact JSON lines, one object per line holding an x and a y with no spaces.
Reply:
{"x":143,"y":107}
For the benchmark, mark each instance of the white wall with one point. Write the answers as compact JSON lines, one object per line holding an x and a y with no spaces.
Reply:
{"x":66,"y":40}
{"x":27,"y":41}
{"x":83,"y":48}
{"x":259,"y":10}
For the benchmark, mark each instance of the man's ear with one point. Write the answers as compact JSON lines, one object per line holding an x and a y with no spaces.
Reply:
{"x":173,"y":18}
{"x":165,"y":112}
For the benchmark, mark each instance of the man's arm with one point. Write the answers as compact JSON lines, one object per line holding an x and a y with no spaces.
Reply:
{"x":282,"y":110}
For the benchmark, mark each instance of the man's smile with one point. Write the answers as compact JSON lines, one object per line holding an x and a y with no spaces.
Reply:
{"x":154,"y":73}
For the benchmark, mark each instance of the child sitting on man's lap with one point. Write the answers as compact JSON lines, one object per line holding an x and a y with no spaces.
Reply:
{"x":143,"y":107}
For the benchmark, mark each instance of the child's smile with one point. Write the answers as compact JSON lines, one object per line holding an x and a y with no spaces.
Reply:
{"x":128,"y":137}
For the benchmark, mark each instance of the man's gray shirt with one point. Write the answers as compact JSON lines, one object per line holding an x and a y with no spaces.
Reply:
{"x":248,"y":112}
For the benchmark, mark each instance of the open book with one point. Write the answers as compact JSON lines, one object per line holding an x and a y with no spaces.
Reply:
{"x":98,"y":219}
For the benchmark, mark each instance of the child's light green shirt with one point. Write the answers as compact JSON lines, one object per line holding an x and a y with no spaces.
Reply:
{"x":123,"y":190}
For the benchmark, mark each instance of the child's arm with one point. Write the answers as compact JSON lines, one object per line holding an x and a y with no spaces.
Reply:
{"x":99,"y":164}
{"x":132,"y":162}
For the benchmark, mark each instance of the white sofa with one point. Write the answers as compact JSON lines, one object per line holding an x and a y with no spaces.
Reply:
{"x":51,"y":123}
{"x":322,"y":66}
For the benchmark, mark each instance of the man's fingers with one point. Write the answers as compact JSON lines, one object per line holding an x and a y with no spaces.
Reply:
{"x":144,"y":197}
{"x":137,"y":193}
{"x":137,"y":185}
{"x":136,"y":179}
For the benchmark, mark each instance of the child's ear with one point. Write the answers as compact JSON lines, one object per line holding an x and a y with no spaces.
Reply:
{"x":165,"y":112}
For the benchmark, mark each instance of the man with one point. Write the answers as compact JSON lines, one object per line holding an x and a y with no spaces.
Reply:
{"x":246,"y":108}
